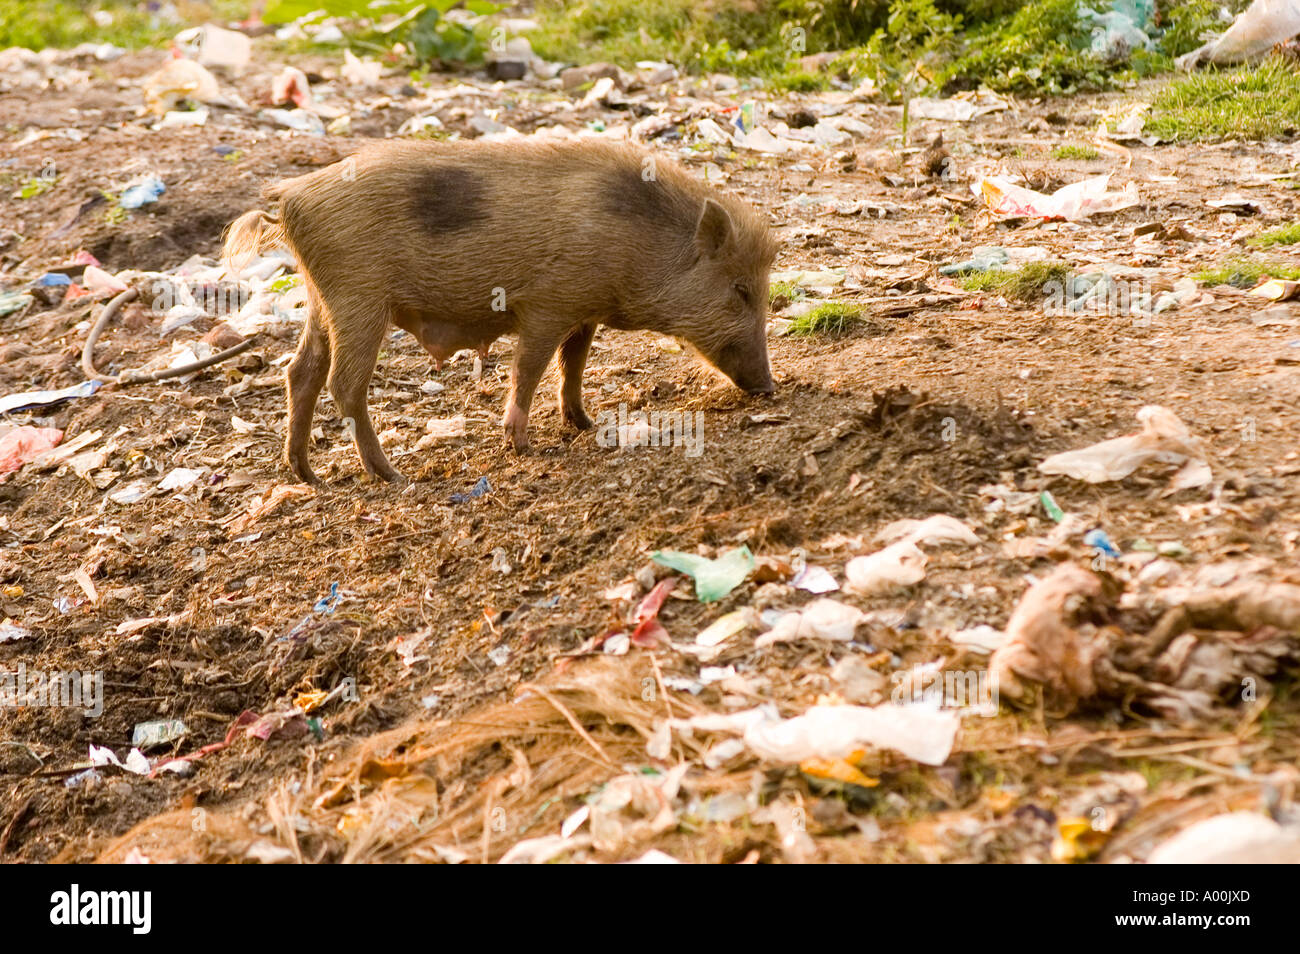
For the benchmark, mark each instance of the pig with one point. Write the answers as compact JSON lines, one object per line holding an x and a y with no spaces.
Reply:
{"x":461,"y":243}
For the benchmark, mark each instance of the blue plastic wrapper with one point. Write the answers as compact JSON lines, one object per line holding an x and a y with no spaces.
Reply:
{"x":1098,"y":540}
{"x":327,"y":604}
{"x":481,"y":488}
{"x":142,"y":193}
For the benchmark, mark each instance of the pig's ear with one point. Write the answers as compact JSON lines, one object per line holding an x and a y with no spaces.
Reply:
{"x":714,"y":228}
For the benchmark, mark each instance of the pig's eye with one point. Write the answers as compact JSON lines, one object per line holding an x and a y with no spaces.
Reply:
{"x":743,"y":292}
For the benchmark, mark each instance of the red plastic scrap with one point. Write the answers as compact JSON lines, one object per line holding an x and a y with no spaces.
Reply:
{"x":283,"y":725}
{"x":649,"y":633}
{"x":18,"y":445}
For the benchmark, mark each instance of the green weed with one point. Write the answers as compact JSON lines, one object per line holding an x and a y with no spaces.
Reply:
{"x":1253,"y":102}
{"x":828,"y":320}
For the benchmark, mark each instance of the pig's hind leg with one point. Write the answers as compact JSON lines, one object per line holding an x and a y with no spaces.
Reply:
{"x":304,"y":379}
{"x":573,"y":359}
{"x":355,"y":337}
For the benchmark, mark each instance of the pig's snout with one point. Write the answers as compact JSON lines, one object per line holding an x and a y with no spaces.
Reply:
{"x":748,"y":368}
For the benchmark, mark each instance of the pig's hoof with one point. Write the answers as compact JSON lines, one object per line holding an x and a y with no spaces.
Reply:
{"x":578,"y":419}
{"x":517,"y":439}
{"x":516,"y":428}
{"x":389,"y":476}
{"x":302,"y":470}
{"x":381,"y":469}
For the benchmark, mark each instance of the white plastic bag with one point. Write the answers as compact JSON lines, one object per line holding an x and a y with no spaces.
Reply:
{"x":1073,"y":202}
{"x":1264,"y":24}
{"x":919,"y":732}
{"x":1163,"y":437}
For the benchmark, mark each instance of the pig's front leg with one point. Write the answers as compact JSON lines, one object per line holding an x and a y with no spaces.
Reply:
{"x":573,"y":358}
{"x":533,"y":354}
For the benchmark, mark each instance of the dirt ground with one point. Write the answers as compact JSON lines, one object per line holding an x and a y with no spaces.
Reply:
{"x":941,"y":393}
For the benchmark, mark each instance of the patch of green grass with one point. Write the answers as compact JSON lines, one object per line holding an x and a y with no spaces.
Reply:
{"x":992,"y":280}
{"x":1253,"y":102}
{"x":1287,"y":234}
{"x":434,"y":133}
{"x":284,"y":283}
{"x":780,"y":294}
{"x":1028,"y":283}
{"x":799,"y":82}
{"x":1045,"y":45}
{"x":1279,"y":717}
{"x":624,"y":31}
{"x":1071,"y":150}
{"x":828,"y":320}
{"x":910,"y":47}
{"x":903,"y":56}
{"x":1157,"y":773}
{"x":1246,"y":272}
{"x":763,"y":38}
{"x":64,"y":24}
{"x":1031,"y":281}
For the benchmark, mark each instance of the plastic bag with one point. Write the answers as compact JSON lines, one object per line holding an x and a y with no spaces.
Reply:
{"x":21,"y":444}
{"x":1073,"y":202}
{"x":897,"y":565}
{"x":1163,"y":437}
{"x":1264,"y":24}
{"x":714,"y":579}
{"x":1118,"y":31}
{"x":919,"y":732}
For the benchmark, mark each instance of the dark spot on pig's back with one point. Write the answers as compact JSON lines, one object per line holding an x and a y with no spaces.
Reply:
{"x":448,"y":198}
{"x":628,"y":194}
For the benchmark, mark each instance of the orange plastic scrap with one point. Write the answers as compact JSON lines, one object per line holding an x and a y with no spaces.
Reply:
{"x":1077,"y":840}
{"x":842,"y":770}
{"x":307,"y":701}
{"x":375,"y":771}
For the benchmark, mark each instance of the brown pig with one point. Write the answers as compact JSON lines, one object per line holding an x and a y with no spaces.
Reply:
{"x":460,"y":243}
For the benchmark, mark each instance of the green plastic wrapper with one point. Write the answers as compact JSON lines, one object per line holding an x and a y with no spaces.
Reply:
{"x":714,"y":579}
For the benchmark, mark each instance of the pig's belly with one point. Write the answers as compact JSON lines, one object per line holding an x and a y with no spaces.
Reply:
{"x":443,"y":338}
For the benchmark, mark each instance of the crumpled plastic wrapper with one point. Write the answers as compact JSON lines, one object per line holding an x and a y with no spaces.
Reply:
{"x":1163,"y":437}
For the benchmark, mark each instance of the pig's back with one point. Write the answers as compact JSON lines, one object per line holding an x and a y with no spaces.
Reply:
{"x":443,"y":227}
